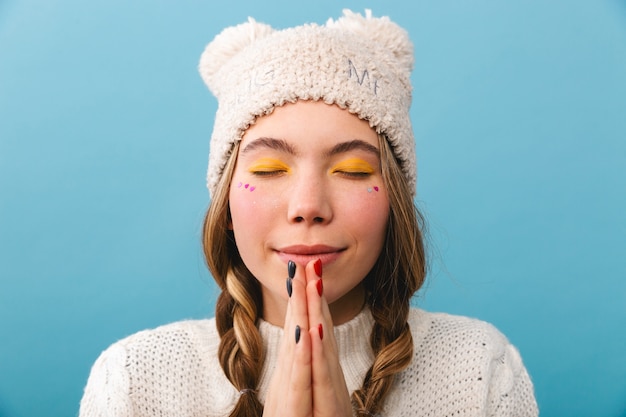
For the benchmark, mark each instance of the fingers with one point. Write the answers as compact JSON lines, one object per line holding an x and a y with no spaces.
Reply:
{"x":330,"y":393}
{"x":296,"y":320}
{"x":293,"y":372}
{"x":297,"y":306}
{"x":291,"y":391}
{"x":317,"y":307}
{"x":308,"y":379}
{"x":299,"y":401}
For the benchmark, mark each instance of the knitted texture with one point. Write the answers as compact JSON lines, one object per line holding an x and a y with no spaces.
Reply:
{"x":461,"y":367}
{"x":359,"y":63}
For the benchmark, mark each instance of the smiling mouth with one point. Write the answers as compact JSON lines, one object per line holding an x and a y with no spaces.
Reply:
{"x":303,"y":254}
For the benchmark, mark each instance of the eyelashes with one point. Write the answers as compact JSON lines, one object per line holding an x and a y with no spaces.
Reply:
{"x":354,"y":168}
{"x":268,"y":167}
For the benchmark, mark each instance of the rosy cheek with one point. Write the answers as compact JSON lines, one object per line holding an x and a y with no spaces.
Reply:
{"x":243,"y":204}
{"x":367,"y":206}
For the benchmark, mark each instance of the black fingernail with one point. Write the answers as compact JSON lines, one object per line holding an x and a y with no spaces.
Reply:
{"x":289,"y":287}
{"x":297,"y":334}
{"x":291,"y":269}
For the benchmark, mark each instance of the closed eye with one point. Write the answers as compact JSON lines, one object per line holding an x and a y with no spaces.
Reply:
{"x":354,"y":174}
{"x":353,"y":168}
{"x":268,"y":167}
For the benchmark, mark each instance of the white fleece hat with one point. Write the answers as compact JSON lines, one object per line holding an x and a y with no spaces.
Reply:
{"x":357,"y":62}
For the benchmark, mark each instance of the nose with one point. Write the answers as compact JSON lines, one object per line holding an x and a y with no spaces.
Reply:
{"x":309,"y":202}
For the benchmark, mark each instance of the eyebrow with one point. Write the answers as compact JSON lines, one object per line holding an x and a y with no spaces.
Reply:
{"x":355,"y":144}
{"x":283,"y":146}
{"x":271,"y":143}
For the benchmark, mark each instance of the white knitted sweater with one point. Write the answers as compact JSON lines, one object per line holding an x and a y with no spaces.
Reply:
{"x":461,"y":367}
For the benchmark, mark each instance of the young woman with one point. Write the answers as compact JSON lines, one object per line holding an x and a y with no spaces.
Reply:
{"x":316,"y":244}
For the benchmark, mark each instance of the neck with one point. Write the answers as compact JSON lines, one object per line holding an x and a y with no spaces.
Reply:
{"x":347,"y":307}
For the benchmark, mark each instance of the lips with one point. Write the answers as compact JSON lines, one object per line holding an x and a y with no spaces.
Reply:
{"x":303,"y":254}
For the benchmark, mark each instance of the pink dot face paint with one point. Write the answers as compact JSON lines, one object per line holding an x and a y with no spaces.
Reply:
{"x":265,"y":168}
{"x":246,"y":186}
{"x":374,"y":188}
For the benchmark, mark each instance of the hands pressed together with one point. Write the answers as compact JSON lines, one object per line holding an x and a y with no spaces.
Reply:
{"x":308,"y":380}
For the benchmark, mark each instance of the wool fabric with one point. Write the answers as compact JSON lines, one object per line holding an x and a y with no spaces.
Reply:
{"x":460,"y":367}
{"x":360,"y":63}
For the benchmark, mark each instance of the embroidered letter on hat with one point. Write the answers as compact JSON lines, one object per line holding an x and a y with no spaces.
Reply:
{"x":365,"y":75}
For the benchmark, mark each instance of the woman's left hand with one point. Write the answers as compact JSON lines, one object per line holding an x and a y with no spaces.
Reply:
{"x":330,"y":393}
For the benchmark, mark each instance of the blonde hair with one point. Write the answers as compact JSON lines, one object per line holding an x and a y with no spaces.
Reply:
{"x":397,"y":274}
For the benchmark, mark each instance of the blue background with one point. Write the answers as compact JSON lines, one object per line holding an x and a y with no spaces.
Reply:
{"x":520,"y":117}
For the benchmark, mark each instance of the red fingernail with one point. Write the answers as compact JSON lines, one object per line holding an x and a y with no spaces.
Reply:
{"x":321,"y":331}
{"x":318,"y":267}
{"x":320,"y":287}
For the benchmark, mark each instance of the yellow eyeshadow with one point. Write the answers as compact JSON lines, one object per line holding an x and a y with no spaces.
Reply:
{"x":268,"y":165}
{"x":354,"y":165}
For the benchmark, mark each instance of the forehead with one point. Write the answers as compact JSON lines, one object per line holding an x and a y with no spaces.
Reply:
{"x":311,"y":124}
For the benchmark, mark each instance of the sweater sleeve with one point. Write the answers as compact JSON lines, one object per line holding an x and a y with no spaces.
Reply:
{"x":107,"y":391}
{"x":511,"y":392}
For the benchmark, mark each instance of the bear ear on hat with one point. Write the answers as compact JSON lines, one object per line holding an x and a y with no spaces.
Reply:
{"x":382,"y":30}
{"x":225,"y":46}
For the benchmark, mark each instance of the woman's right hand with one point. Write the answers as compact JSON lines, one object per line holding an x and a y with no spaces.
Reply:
{"x":291,"y":393}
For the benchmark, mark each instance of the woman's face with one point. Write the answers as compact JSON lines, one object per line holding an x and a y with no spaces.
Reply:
{"x":307,"y":184}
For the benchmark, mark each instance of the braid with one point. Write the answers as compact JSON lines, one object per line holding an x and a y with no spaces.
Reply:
{"x":240,"y":353}
{"x":396,"y":276}
{"x":241,"y":348}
